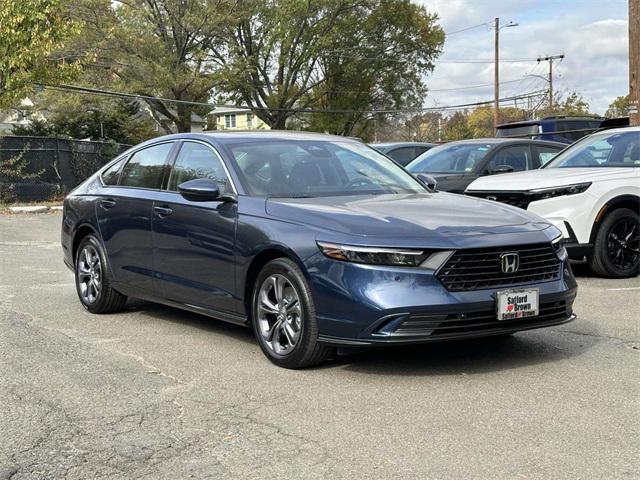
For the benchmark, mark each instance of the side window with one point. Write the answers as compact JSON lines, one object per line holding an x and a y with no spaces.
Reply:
{"x":632,"y":152}
{"x":517,"y":157}
{"x":420,"y":150}
{"x":196,"y":160}
{"x":403,"y":155}
{"x":546,"y":153}
{"x":111,"y":175}
{"x":145,"y":167}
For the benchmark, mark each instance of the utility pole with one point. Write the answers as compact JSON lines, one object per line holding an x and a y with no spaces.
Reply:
{"x":496,"y":71}
{"x":496,"y":75}
{"x":550,"y":59}
{"x":634,"y":62}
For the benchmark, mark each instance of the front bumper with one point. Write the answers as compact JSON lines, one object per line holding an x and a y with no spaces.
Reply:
{"x":370,"y":305}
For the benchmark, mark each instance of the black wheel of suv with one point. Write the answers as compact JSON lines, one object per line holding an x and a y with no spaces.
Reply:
{"x":616,"y":251}
{"x":284,"y":317}
{"x":93,"y":279}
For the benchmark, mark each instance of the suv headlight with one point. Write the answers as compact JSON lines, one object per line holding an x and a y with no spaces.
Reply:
{"x":542,"y":193}
{"x":401,"y":257}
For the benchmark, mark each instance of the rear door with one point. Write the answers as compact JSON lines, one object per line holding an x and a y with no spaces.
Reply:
{"x":194,"y":241}
{"x":124,"y":217}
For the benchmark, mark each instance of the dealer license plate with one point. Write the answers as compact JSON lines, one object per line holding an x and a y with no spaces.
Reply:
{"x":521,"y":303}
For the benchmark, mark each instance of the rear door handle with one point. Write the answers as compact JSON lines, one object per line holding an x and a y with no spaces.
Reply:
{"x":162,"y":211}
{"x":107,"y":203}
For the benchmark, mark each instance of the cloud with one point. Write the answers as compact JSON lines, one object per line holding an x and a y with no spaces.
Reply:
{"x":592,"y":35}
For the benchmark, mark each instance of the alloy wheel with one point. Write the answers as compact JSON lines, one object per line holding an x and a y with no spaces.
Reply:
{"x":89,"y":274}
{"x":623,"y":244}
{"x":279,"y":314}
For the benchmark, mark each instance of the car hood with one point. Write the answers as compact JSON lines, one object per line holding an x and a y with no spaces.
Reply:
{"x":402,"y":217}
{"x":545,"y":178}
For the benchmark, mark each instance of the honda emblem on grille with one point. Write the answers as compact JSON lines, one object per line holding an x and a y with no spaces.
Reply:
{"x":510,"y":262}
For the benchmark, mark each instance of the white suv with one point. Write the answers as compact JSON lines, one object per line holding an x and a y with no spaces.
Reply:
{"x":591,"y":192}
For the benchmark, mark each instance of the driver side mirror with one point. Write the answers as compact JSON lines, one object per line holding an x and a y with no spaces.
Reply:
{"x":200,"y":190}
{"x":428,"y":181}
{"x":500,"y":169}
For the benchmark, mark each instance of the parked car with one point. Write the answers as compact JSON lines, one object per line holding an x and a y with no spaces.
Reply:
{"x":312,"y":240}
{"x":561,"y":129}
{"x":591,"y":192}
{"x":403,"y":152}
{"x":456,"y":164}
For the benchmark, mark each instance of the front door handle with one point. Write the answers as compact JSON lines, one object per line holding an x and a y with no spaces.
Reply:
{"x":162,"y":211}
{"x":107,"y":203}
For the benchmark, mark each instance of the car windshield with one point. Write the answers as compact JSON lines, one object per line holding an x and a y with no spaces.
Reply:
{"x":450,"y":158}
{"x":318,"y":168}
{"x":601,"y":150}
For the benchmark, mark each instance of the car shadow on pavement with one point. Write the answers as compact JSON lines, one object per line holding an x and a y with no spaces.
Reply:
{"x":469,"y":357}
{"x":465,"y":357}
{"x":192,"y":320}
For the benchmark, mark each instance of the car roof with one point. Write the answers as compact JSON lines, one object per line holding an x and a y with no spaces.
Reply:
{"x":402,"y":144}
{"x":502,"y":140}
{"x":255,"y":135}
{"x":276,"y":135}
{"x":617,"y":130}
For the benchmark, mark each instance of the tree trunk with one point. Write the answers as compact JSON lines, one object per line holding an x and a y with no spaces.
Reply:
{"x":183,"y":123}
{"x":279,"y":122}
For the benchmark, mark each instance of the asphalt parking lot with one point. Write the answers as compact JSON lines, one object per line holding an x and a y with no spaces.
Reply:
{"x":159,"y":393}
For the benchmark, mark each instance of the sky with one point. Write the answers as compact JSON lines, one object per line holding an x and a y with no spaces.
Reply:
{"x":592,"y":34}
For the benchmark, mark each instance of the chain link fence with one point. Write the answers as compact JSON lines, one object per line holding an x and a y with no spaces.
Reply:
{"x":46,"y":168}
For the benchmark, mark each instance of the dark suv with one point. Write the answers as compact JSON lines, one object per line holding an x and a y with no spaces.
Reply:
{"x":557,"y":129}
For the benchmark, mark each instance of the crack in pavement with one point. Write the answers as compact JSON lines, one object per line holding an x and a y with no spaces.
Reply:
{"x":593,"y":335}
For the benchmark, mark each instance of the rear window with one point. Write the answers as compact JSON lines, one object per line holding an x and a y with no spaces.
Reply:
{"x":403,"y":155}
{"x":146,"y":167}
{"x":518,"y":131}
{"x":111,"y":175}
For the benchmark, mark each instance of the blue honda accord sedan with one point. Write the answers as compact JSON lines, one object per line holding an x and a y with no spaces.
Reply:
{"x":314,"y":241}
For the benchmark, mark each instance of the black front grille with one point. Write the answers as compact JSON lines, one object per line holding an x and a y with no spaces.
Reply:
{"x":474,"y":322}
{"x":477,"y":269}
{"x":517,"y":199}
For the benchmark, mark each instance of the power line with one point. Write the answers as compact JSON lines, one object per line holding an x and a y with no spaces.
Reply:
{"x":452,"y":89}
{"x":108,"y":93}
{"x":485,"y":24}
{"x":337,"y":53}
{"x":470,"y":87}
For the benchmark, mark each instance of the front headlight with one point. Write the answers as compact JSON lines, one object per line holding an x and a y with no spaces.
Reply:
{"x":402,"y":257}
{"x":542,"y":193}
{"x":558,"y":246}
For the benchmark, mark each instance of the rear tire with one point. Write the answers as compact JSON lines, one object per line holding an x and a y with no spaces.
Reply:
{"x":283,"y":317}
{"x":94,"y":280}
{"x":616,"y":249}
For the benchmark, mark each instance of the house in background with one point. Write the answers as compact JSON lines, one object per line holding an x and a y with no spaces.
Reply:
{"x":18,"y":116}
{"x":235,"y":118}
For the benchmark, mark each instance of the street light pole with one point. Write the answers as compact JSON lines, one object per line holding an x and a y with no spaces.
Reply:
{"x":496,"y":75}
{"x":496,"y":71}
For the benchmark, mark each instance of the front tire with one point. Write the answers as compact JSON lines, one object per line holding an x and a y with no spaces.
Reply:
{"x":284,"y":318}
{"x":616,"y":251}
{"x":93,"y":278}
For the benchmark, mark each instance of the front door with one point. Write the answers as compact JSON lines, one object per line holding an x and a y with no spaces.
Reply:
{"x":124,"y":218}
{"x":194,"y":241}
